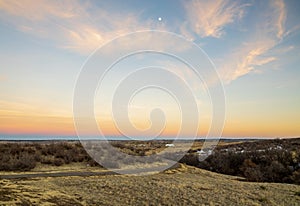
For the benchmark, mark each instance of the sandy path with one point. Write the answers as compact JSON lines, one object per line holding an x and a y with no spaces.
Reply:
{"x":83,"y":173}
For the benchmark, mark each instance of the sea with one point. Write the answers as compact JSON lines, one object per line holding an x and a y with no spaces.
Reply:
{"x":6,"y":137}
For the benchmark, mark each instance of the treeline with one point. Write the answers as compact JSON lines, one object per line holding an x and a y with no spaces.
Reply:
{"x":260,"y":161}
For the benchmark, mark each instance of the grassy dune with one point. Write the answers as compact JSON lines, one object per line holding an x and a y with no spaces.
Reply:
{"x":182,"y":186}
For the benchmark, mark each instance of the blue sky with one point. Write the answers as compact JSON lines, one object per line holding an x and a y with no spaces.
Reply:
{"x":255,"y":46}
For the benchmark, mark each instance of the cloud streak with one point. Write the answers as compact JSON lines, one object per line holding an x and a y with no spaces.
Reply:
{"x":246,"y":59}
{"x":70,"y":24}
{"x":208,"y":18}
{"x":255,"y":51}
{"x":280,"y":8}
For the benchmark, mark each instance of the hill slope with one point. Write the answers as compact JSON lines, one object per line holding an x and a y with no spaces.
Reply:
{"x":182,"y":186}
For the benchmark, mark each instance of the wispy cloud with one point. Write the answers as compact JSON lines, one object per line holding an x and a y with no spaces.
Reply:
{"x":285,"y":49}
{"x":40,"y":10}
{"x":208,"y":18}
{"x":245,"y":60}
{"x":71,"y":24}
{"x":280,"y":8}
{"x":257,"y":50}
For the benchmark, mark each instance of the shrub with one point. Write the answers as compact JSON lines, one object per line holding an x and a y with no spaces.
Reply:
{"x":92,"y":163}
{"x":190,"y":159}
{"x":26,"y":162}
{"x":23,"y":163}
{"x":58,"y":161}
{"x":296,"y":177}
{"x":276,"y":172}
{"x":47,"y":160}
{"x":253,"y":174}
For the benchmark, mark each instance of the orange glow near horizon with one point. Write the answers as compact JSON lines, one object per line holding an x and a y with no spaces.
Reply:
{"x":33,"y":119}
{"x":43,"y":125}
{"x":58,"y":125}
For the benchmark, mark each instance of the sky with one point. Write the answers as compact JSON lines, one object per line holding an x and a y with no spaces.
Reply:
{"x":254,"y":46}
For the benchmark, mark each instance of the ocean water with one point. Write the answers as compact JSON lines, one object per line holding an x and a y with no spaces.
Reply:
{"x":74,"y":138}
{"x":47,"y":138}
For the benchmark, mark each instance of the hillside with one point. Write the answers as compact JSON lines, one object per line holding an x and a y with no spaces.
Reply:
{"x":185,"y":185}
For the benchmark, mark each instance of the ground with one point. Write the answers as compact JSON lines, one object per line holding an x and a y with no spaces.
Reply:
{"x":181,"y":186}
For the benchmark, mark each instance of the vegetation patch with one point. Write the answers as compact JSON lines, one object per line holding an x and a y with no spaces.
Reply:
{"x":25,"y":156}
{"x":258,"y":161}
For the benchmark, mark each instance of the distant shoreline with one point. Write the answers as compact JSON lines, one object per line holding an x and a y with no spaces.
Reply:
{"x":74,"y":138}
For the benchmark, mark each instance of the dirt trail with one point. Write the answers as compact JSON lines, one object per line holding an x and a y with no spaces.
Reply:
{"x":56,"y":174}
{"x":85,"y":173}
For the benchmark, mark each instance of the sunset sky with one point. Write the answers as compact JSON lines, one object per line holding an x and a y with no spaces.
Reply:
{"x":254,"y":45}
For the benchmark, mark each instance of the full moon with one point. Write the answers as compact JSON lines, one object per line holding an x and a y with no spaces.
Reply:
{"x":159,"y":18}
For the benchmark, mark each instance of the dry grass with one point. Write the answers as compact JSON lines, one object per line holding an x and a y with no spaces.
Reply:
{"x":183,"y":186}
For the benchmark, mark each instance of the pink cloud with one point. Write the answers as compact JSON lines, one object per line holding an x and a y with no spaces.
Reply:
{"x":208,"y":18}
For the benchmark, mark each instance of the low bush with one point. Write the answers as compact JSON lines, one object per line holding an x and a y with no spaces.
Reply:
{"x":270,"y":161}
{"x":25,"y":156}
{"x":18,"y":163}
{"x":58,"y":161}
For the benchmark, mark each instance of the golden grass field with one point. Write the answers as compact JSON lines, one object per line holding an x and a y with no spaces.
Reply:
{"x":185,"y":185}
